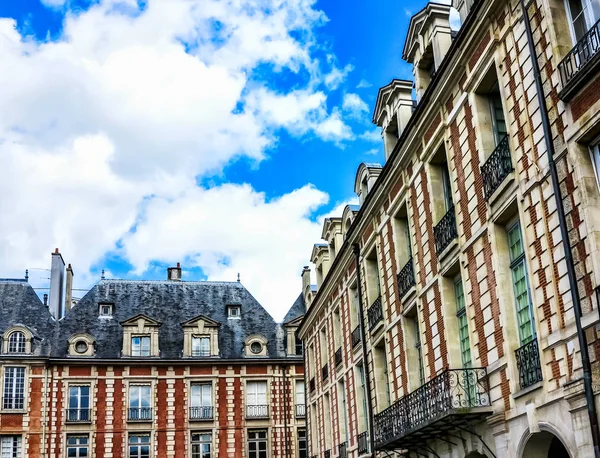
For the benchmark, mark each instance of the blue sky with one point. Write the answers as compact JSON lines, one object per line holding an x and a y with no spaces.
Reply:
{"x":145,"y":133}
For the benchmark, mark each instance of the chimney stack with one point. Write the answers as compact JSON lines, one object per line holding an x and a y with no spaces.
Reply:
{"x":57,"y":274}
{"x":305,"y":279}
{"x":69,"y":289}
{"x":45,"y":299}
{"x":174,"y":273}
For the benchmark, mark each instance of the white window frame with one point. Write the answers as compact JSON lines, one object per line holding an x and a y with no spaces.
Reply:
{"x":10,"y":400}
{"x":234,"y":312}
{"x":110,"y":310}
{"x":78,"y":408}
{"x":19,"y":344}
{"x":203,"y":341}
{"x":200,"y":442}
{"x":138,"y":445}
{"x":257,"y":440}
{"x":138,"y":349}
{"x":590,"y":20}
{"x":78,"y":446}
{"x":11,"y":446}
{"x":135,"y":402}
{"x":595,"y":157}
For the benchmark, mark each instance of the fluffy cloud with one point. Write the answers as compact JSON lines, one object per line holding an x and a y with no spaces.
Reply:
{"x":354,"y":104}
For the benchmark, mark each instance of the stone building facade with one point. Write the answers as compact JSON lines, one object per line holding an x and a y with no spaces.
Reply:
{"x":141,"y":369}
{"x":451,"y":304}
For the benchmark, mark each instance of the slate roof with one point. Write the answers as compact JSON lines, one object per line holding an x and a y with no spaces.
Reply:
{"x":298,"y":309}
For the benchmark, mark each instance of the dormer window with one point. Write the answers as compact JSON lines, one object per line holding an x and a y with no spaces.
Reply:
{"x":16,"y":342}
{"x":81,"y":344}
{"x":140,"y":346}
{"x":106,"y":310}
{"x":234,"y":311}
{"x":140,"y":336}
{"x":201,"y":346}
{"x":200,"y":337}
{"x":256,"y":345}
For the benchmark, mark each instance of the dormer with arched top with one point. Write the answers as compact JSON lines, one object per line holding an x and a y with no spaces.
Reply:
{"x":366,"y":176}
{"x":320,"y":258}
{"x":332,"y":234}
{"x":348,"y":215}
{"x":17,"y":340}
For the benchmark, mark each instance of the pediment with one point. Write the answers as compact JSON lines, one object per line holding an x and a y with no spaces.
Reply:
{"x":144,"y":319}
{"x":294,"y":322}
{"x":194,"y":322}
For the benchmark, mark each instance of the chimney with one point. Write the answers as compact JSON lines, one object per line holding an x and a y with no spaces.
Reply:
{"x":305,"y":279}
{"x":174,"y":273}
{"x":45,"y":299}
{"x":69,"y":289}
{"x":57,"y":273}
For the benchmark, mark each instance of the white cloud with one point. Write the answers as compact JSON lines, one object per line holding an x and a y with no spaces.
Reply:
{"x":363,"y":83}
{"x":373,"y":151}
{"x":354,"y":104}
{"x":53,"y":3}
{"x":372,"y":135}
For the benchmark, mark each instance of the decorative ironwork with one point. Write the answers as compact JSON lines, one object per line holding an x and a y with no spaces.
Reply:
{"x":578,"y":58}
{"x":406,"y":278}
{"x":375,"y":313}
{"x":528,"y":363}
{"x":300,"y":410}
{"x":327,"y":454}
{"x":338,"y":356}
{"x":454,"y":391}
{"x":342,"y":450}
{"x":311,"y":384}
{"x":257,"y":411}
{"x":356,"y":336}
{"x":325,"y":371}
{"x":78,"y":416}
{"x":201,"y":413}
{"x":363,"y":443}
{"x":496,"y":168}
{"x":445,"y":231}
{"x":140,"y":414}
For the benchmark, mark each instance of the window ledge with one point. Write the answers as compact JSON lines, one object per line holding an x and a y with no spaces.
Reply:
{"x":584,"y":76}
{"x":449,"y":255}
{"x":13,"y":412}
{"x":503,"y":193}
{"x":528,"y":390}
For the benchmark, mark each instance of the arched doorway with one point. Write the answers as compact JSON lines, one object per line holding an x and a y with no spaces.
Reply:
{"x":545,"y":445}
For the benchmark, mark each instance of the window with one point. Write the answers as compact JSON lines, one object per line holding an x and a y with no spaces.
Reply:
{"x":328,"y":436}
{"x":463,"y":326}
{"x":234,"y":311}
{"x":77,"y":446}
{"x":201,"y":405}
{"x":302,"y":446}
{"x":582,"y":15}
{"x":595,"y":153}
{"x":373,"y":282}
{"x":300,"y":397}
{"x":139,"y":402}
{"x":139,"y":446}
{"x":105,"y":309}
{"x":343,"y":425}
{"x":16,"y":342}
{"x":382,"y":381}
{"x":256,"y":347}
{"x":257,"y":444}
{"x":520,"y":284}
{"x":140,"y":346}
{"x":201,"y":445}
{"x":79,"y":404}
{"x":256,"y":399}
{"x":447,"y":188}
{"x":362,"y":396}
{"x":81,"y":346}
{"x":200,"y":346}
{"x":10,"y":447}
{"x":299,"y":348}
{"x":14,"y":388}
{"x":497,"y":114}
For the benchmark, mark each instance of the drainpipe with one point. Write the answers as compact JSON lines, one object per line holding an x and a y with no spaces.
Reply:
{"x":285,"y":412}
{"x":583,"y":345}
{"x":363,"y":335}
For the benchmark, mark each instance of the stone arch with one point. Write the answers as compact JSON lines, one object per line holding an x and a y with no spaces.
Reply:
{"x":547,"y":443}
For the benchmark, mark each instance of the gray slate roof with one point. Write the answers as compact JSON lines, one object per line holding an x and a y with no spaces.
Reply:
{"x":298,"y":309}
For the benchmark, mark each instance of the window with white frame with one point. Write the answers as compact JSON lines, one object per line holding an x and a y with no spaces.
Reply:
{"x":201,"y":445}
{"x":79,"y":404}
{"x":302,"y":446}
{"x":582,"y":15}
{"x":106,"y":310}
{"x":10,"y":447}
{"x":140,"y":346}
{"x":77,"y":446}
{"x":257,"y":444}
{"x":234,"y":311}
{"x":201,"y":402}
{"x":200,"y":346}
{"x":139,"y":446}
{"x":300,"y":396}
{"x":17,"y":342}
{"x":139,"y":402}
{"x":595,"y":155}
{"x":256,"y":399}
{"x":14,"y":388}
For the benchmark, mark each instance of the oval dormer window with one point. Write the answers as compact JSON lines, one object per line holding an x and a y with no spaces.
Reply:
{"x":256,"y":347}
{"x":81,"y":346}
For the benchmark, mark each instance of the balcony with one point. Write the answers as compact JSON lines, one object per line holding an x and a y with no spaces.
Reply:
{"x":445,"y":231}
{"x":406,"y":278}
{"x":375,"y":313}
{"x":257,"y":411}
{"x":325,"y":372}
{"x":300,"y":410}
{"x":342,"y":450}
{"x":356,"y":336}
{"x":140,"y":414}
{"x":580,"y":63}
{"x":363,"y":443}
{"x":338,"y":357}
{"x":496,"y":168}
{"x":201,"y":413}
{"x":528,"y":363}
{"x":432,"y":410}
{"x":78,"y":416}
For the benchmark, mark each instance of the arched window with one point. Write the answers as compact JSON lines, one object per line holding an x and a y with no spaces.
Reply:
{"x":16,"y":342}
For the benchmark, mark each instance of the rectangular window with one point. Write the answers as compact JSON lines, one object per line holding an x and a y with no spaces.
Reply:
{"x":595,"y":154}
{"x":201,"y":405}
{"x":299,"y":348}
{"x":447,"y":188}
{"x":77,"y":446}
{"x":139,"y":446}
{"x":463,"y":325}
{"x":382,"y":381}
{"x":257,"y":444}
{"x":419,"y":351}
{"x":343,"y":425}
{"x":79,"y":404}
{"x":139,"y":402}
{"x":520,"y":284}
{"x":362,"y":398}
{"x":582,"y":14}
{"x":14,"y":388}
{"x":497,"y":114}
{"x":300,"y":399}
{"x":140,"y":346}
{"x":10,"y":447}
{"x":201,"y":445}
{"x":302,"y":446}
{"x":200,"y":346}
{"x":256,"y":399}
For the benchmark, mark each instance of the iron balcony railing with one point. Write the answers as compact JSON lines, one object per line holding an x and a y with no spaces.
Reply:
{"x":257,"y":411}
{"x":406,"y":278}
{"x":363,"y":443}
{"x":200,"y":353}
{"x":201,"y":413}
{"x":454,"y":391}
{"x":375,"y":313}
{"x":496,"y":168}
{"x":356,"y":336}
{"x":140,"y":414}
{"x":338,"y":357}
{"x":445,"y":231}
{"x":528,"y":363}
{"x":78,"y":416}
{"x":311,"y":384}
{"x":325,"y":371}
{"x":342,"y":450}
{"x":583,"y":53}
{"x":300,"y":410}
{"x":327,"y":454}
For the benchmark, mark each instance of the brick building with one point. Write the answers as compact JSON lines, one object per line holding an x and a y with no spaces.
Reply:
{"x":141,"y":369}
{"x":456,"y":310}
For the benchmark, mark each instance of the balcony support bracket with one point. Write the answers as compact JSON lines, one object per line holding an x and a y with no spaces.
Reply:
{"x":470,"y":430}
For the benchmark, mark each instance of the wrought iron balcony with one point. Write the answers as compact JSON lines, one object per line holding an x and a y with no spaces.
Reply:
{"x":445,"y":231}
{"x":325,"y":371}
{"x":300,"y":410}
{"x":338,"y":357}
{"x":342,"y":450}
{"x":311,"y":384}
{"x":580,"y":60}
{"x":201,"y":413}
{"x":528,"y":363}
{"x":257,"y":411}
{"x":327,"y":454}
{"x":140,"y":414}
{"x":363,"y":443}
{"x":356,"y":336}
{"x":406,"y":278}
{"x":375,"y":313}
{"x":200,"y":353}
{"x":431,"y":410}
{"x":496,"y":168}
{"x":78,"y":416}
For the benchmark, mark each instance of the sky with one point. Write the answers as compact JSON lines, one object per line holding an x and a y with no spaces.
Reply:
{"x":218,"y":134}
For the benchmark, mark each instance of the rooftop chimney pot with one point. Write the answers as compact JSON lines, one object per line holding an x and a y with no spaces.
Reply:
{"x":57,"y":274}
{"x":174,"y":273}
{"x":46,"y":300}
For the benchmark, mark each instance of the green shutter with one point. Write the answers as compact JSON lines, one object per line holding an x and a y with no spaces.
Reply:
{"x":463,"y":326}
